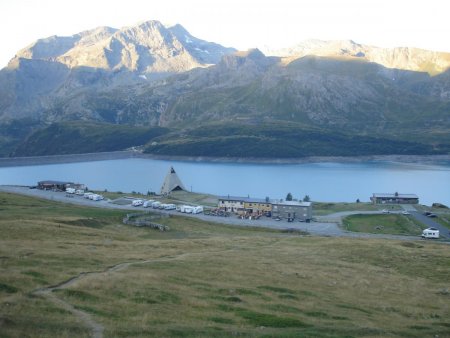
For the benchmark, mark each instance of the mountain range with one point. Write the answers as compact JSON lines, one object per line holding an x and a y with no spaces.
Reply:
{"x":150,"y":75}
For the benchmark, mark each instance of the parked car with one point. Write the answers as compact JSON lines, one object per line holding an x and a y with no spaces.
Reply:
{"x":405,"y":213}
{"x":385,"y":211}
{"x":432,"y":215}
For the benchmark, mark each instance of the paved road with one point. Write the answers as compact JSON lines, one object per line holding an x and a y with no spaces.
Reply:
{"x":443,"y":231}
{"x":429,"y":222}
{"x":326,"y":225}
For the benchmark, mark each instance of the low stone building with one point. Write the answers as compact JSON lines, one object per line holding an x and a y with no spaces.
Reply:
{"x":245,"y":205}
{"x":396,"y":198}
{"x":257,"y":206}
{"x":292,"y":210}
{"x":231,"y":204}
{"x":53,"y":185}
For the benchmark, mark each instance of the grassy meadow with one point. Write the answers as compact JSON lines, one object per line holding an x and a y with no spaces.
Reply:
{"x":393,"y":224}
{"x":326,"y":208}
{"x":207,"y":280}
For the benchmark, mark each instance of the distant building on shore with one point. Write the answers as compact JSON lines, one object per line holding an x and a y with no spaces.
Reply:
{"x":246,"y":206}
{"x":396,"y":198}
{"x":242,"y":205}
{"x":60,"y":185}
{"x":53,"y":185}
{"x":292,"y":210}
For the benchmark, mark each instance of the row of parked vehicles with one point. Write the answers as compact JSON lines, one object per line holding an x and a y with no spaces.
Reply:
{"x":188,"y":209}
{"x":87,"y":195}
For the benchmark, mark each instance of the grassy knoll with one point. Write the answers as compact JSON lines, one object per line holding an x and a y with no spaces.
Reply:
{"x":324,"y":208}
{"x":205,"y":280}
{"x":393,"y":224}
{"x":192,"y":198}
{"x":443,"y":219}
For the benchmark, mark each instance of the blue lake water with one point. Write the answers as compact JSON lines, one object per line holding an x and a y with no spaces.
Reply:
{"x":321,"y":181}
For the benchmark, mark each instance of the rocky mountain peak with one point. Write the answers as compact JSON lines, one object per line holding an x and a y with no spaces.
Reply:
{"x":148,"y":47}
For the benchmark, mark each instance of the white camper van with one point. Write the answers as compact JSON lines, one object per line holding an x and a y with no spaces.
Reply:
{"x":430,"y":233}
{"x":156,"y":205}
{"x":148,"y":204}
{"x":186,"y":209}
{"x":197,"y":210}
{"x":170,"y":207}
{"x":137,"y":203}
{"x":70,"y":190}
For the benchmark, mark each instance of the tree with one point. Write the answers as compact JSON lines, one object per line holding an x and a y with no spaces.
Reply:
{"x":357,"y":200}
{"x":306,"y":198}
{"x":289,"y":197}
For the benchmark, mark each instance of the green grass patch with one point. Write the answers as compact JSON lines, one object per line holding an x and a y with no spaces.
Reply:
{"x":353,"y":307}
{"x":8,"y":288}
{"x":276,"y":289}
{"x":79,"y":295}
{"x":33,"y":274}
{"x":221,"y":320}
{"x":283,"y":308}
{"x":269,"y":320}
{"x":326,"y":208}
{"x":393,"y":224}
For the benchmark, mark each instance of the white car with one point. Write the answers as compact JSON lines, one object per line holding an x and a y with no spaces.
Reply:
{"x":385,"y":211}
{"x":405,"y":213}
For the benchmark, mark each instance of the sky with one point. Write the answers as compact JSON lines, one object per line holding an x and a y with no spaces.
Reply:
{"x":242,"y":24}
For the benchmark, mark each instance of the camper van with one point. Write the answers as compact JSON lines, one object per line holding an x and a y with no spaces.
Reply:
{"x":137,"y":203}
{"x":156,"y":205}
{"x":95,"y":197}
{"x":148,"y":204}
{"x":79,"y":192}
{"x":430,"y":233}
{"x":170,"y":207}
{"x":186,"y":209}
{"x":70,"y":190}
{"x":87,"y":195}
{"x":197,"y":210}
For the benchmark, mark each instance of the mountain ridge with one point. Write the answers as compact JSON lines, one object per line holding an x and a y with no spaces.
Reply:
{"x":155,"y":75}
{"x":406,"y":58}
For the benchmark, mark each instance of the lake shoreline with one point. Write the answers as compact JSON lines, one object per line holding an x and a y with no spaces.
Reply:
{"x":117,"y":155}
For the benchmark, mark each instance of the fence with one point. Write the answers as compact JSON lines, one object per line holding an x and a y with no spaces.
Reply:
{"x":142,"y":220}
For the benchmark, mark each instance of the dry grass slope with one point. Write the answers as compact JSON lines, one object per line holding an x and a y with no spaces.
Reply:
{"x":205,"y":280}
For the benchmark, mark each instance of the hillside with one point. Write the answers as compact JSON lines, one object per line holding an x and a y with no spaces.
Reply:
{"x":85,"y":137}
{"x":281,"y":140}
{"x":208,"y":280}
{"x":150,"y":75}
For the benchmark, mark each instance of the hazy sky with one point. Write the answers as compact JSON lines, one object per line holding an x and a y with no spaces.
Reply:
{"x":241,"y":24}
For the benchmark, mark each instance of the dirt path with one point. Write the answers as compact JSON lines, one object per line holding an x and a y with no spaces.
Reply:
{"x":95,"y":327}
